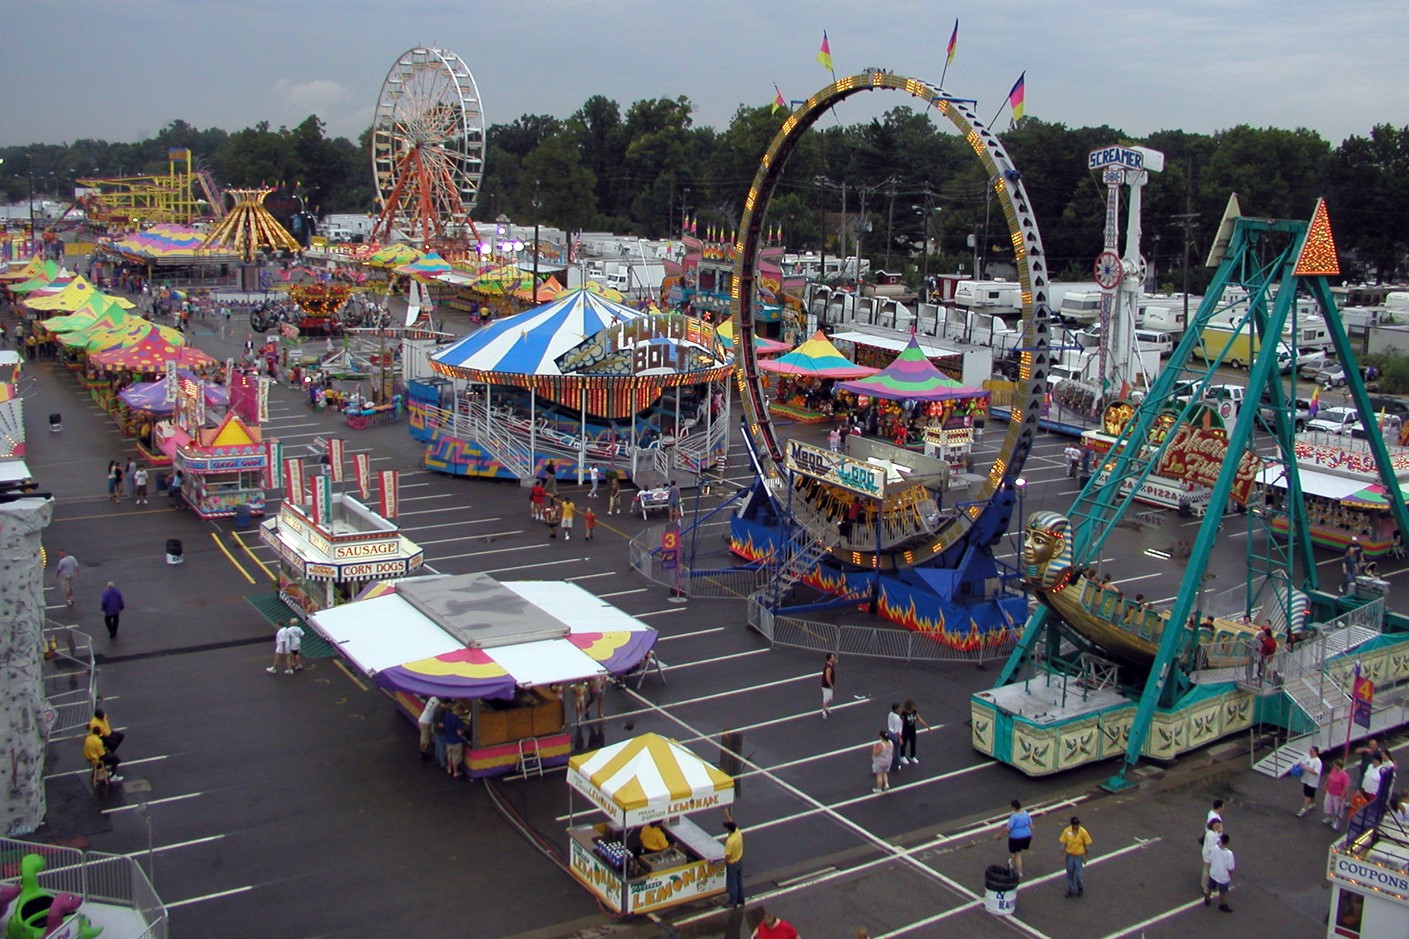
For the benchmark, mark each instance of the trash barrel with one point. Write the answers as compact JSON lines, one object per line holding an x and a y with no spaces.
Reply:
{"x":732,"y":741}
{"x":174,"y":551}
{"x":1000,"y":890}
{"x":242,"y":516}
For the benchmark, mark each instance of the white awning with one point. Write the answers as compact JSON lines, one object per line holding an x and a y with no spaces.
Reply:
{"x":897,"y":345}
{"x":1313,"y":483}
{"x":383,"y":631}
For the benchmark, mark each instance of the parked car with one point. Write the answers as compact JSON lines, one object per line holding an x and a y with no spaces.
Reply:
{"x":1389,"y":405}
{"x":1332,"y":377}
{"x":1309,"y":365}
{"x":1336,"y":421}
{"x":1311,"y":357}
{"x":1267,"y":415}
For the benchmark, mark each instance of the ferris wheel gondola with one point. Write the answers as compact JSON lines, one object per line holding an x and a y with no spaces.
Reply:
{"x":427,"y":148}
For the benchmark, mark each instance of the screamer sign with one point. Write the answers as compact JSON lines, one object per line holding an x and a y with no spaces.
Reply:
{"x":1197,"y":454}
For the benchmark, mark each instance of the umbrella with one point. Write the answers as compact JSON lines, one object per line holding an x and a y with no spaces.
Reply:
{"x":531,"y":342}
{"x":150,"y":354}
{"x":911,"y":376}
{"x":725,"y":332}
{"x":150,"y":396}
{"x":816,"y":358}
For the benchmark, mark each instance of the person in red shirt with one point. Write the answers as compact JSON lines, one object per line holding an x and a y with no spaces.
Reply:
{"x":774,"y":928}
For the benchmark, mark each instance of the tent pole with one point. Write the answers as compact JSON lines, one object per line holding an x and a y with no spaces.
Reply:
{"x":582,"y":433}
{"x":532,"y":432}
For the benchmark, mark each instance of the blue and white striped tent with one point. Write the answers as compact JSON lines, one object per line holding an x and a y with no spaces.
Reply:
{"x":530,"y":342}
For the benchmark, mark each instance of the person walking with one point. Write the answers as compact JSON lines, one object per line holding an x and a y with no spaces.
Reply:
{"x":550,"y":518}
{"x":295,"y":642}
{"x":425,"y":723}
{"x":595,"y":475}
{"x":733,"y":862}
{"x":116,"y":488}
{"x":613,"y":496}
{"x":773,"y":927}
{"x":281,"y":652}
{"x":66,"y":570}
{"x":130,"y":474}
{"x":1212,"y":832}
{"x":910,"y":721}
{"x":536,"y":497}
{"x":550,"y":477}
{"x":1076,"y":844}
{"x":1366,"y":754}
{"x":829,"y":683}
{"x":1350,"y":563}
{"x":1220,"y":873}
{"x":673,"y":497}
{"x":1310,"y":780}
{"x":895,"y":724}
{"x":1337,"y":785}
{"x":589,"y":523}
{"x":881,"y":753}
{"x":139,"y":486}
{"x":452,"y":731}
{"x":112,"y":480}
{"x":112,"y":606}
{"x":569,"y":512}
{"x":1019,"y":829}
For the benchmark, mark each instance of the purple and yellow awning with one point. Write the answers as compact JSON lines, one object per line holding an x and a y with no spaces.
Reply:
{"x":568,"y":635}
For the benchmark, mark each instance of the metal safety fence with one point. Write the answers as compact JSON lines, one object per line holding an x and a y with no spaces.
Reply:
{"x":887,"y":642}
{"x":704,"y":566}
{"x":70,"y":678}
{"x":110,"y":879}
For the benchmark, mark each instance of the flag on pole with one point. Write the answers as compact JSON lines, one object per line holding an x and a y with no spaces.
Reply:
{"x":824,"y":54}
{"x":1017,"y":95}
{"x":293,"y":481}
{"x":778,"y":101}
{"x":336,"y":448}
{"x":274,"y":464}
{"x":1315,"y":404}
{"x":322,"y":501}
{"x":390,"y":496}
{"x":362,"y":467}
{"x":953,"y":44}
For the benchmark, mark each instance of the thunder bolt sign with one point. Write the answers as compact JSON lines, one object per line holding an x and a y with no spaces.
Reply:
{"x":836,"y":469}
{"x":666,"y":344}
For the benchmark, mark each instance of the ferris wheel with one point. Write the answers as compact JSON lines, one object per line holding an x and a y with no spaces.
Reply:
{"x":427,"y":147}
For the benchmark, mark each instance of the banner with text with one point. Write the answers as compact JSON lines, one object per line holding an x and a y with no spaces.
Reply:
{"x":337,"y":447}
{"x":362,"y":466}
{"x":389,"y":495}
{"x":817,"y":463}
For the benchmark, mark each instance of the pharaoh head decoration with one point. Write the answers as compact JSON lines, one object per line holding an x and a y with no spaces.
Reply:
{"x":1046,"y":549}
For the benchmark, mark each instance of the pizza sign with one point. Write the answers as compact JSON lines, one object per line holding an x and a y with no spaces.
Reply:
{"x":1197,"y":454}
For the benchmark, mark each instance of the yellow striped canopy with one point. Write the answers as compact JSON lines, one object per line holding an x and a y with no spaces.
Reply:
{"x":648,"y":778}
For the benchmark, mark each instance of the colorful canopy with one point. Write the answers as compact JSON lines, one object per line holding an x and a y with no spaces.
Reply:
{"x":75,"y":294}
{"x":392,"y":255}
{"x":130,"y":332}
{"x":531,"y":342}
{"x":84,"y":321}
{"x":648,"y":778}
{"x":166,"y":241}
{"x":150,"y":396}
{"x":502,"y":280}
{"x":816,"y":358}
{"x":470,"y":636}
{"x":425,"y":268}
{"x":150,"y":354}
{"x":47,"y":275}
{"x":911,"y":376}
{"x":31,"y":268}
{"x":725,"y":332}
{"x":545,"y":293}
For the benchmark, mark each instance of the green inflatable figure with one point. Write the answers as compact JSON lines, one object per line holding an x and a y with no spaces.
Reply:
{"x":39,"y":913}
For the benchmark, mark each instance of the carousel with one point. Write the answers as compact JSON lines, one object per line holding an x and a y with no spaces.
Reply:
{"x":579,"y":382}
{"x":503,"y":651}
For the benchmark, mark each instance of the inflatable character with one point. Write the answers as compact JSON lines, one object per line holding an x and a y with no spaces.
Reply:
{"x":38,"y":913}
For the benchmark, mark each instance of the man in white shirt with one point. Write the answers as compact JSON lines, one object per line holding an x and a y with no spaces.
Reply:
{"x":895,"y":724}
{"x":295,"y":638}
{"x":281,"y":652}
{"x":1310,"y":780}
{"x":426,"y":724}
{"x":1220,"y":874}
{"x":67,"y":572}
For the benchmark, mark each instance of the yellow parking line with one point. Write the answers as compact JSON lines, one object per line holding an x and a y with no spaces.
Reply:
{"x":241,"y":542}
{"x":353,"y":678}
{"x":230,"y":557}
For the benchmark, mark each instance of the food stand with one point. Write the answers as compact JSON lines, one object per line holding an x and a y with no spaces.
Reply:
{"x":656,"y":780}
{"x":323,"y":563}
{"x":223,"y":467}
{"x":506,"y":648}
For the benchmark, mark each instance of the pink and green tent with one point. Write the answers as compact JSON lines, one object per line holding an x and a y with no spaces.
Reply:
{"x":816,"y":358}
{"x":912,"y":376}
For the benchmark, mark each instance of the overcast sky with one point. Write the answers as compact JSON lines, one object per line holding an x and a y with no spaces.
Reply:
{"x":121,"y":71}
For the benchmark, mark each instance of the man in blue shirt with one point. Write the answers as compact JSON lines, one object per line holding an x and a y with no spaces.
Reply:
{"x":452,"y":731}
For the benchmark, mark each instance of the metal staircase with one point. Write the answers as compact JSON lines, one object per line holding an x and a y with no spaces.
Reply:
{"x":802,"y":558}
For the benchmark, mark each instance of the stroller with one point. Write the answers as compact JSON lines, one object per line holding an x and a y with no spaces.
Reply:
{"x":56,"y":422}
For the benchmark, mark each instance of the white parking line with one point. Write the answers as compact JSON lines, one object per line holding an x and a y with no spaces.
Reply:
{"x":173,"y":847}
{"x":128,"y":808}
{"x":698,"y":632}
{"x":471,"y":537}
{"x":477,"y":521}
{"x":209,"y":896}
{"x":1158,"y":918}
{"x":440,"y":559}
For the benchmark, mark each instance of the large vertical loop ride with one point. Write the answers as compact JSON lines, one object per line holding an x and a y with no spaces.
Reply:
{"x":427,"y":146}
{"x":986,"y":517}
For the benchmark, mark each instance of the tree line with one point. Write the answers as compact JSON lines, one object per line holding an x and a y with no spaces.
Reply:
{"x":902,"y":179}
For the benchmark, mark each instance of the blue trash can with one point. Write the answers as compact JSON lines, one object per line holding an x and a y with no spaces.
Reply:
{"x":242,"y":516}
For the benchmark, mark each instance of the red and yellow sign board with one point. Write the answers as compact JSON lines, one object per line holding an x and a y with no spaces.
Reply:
{"x":1197,"y":454}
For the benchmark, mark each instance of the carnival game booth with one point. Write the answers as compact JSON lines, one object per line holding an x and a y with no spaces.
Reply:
{"x":505,"y":648}
{"x":149,"y":402}
{"x":943,"y":417}
{"x":567,"y":384}
{"x":647,"y":780}
{"x":326,"y":561}
{"x":804,"y":392}
{"x":1341,"y":491}
{"x":223,"y":467}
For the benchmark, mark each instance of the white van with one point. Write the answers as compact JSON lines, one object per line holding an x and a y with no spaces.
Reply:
{"x":1153,"y":340}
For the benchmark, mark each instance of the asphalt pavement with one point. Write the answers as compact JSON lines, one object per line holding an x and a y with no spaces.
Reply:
{"x":299,"y":803}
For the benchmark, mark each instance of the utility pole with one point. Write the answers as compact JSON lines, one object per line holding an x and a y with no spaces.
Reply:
{"x":890,"y":219}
